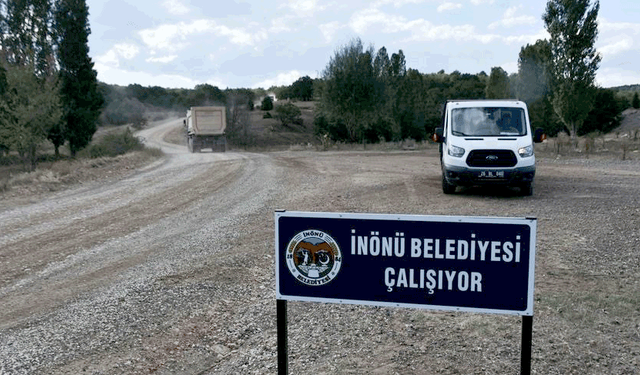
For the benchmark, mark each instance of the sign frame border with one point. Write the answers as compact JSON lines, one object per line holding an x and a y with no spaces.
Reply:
{"x":530,"y":221}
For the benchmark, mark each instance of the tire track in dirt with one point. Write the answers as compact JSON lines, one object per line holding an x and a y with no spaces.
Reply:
{"x":32,"y":254}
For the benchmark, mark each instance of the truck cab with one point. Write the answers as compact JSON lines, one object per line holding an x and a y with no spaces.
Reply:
{"x":487,"y":142}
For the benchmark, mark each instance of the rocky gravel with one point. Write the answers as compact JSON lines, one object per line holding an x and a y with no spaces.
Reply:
{"x":171,"y":270}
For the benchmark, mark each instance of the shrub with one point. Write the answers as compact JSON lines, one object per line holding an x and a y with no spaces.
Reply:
{"x":288,"y":113}
{"x":267,"y":103}
{"x":116,"y":144}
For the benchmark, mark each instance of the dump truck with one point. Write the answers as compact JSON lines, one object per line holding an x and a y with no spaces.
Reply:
{"x":206,"y":128}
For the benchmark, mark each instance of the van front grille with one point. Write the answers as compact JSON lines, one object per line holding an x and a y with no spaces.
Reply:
{"x":492,"y":158}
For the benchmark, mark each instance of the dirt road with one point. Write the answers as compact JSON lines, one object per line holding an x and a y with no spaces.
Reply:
{"x":171,"y":270}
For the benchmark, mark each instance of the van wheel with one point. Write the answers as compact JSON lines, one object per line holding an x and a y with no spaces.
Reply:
{"x":526,"y":189}
{"x":447,"y":188}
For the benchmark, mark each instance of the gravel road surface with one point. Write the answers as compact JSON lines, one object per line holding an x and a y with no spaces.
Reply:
{"x":171,"y":270}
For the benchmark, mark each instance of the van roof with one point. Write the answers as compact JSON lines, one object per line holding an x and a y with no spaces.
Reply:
{"x":487,"y":102}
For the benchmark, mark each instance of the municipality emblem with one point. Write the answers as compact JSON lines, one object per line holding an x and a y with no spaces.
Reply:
{"x":313,"y":257}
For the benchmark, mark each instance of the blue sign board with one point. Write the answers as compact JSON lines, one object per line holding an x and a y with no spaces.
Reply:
{"x":480,"y":264}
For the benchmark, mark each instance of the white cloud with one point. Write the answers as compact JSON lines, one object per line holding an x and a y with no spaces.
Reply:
{"x":616,"y":46}
{"x":303,"y":8}
{"x":175,"y":7}
{"x":279,"y":25}
{"x":365,"y":19}
{"x":428,"y":32}
{"x":162,"y":60}
{"x":510,"y":67}
{"x":126,"y":51}
{"x":118,"y":51}
{"x":329,"y":30}
{"x":607,"y":26}
{"x":172,"y":37}
{"x":396,"y":3}
{"x":512,"y":18}
{"x":164,"y":36}
{"x":526,"y":39}
{"x":480,"y":2}
{"x":448,"y":6}
{"x":612,"y":77}
{"x":121,"y":77}
{"x":109,"y":58}
{"x":281,"y":79}
{"x":240,"y":36}
{"x":420,"y":29}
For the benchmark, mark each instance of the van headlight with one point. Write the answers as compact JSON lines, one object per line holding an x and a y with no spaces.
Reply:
{"x":525,"y":152}
{"x":455,"y":151}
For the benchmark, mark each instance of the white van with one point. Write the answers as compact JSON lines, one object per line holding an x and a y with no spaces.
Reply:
{"x":487,"y":142}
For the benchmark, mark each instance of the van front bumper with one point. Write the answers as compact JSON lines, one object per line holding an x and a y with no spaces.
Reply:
{"x":489,"y":176}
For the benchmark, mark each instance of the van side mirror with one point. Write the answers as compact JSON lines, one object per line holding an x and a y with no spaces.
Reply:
{"x":539,"y":136}
{"x":438,"y":137}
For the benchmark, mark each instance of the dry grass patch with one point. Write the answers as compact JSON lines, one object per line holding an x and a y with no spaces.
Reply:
{"x":54,"y":176}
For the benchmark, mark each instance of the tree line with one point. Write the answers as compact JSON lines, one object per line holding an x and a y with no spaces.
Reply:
{"x":49,"y":91}
{"x":366,"y":96}
{"x":48,"y":87}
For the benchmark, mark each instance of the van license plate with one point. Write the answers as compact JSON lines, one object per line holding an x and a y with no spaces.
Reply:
{"x":491,"y":174}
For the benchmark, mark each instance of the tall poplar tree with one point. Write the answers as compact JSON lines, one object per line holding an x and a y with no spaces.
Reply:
{"x":28,"y":61}
{"x":79,"y":88}
{"x":573,"y":27}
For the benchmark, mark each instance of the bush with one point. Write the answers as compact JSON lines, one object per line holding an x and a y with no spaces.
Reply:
{"x":115,"y":144}
{"x":288,"y":114}
{"x":267,"y":103}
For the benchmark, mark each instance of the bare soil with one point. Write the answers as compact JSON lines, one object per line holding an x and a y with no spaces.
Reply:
{"x":169,"y":268}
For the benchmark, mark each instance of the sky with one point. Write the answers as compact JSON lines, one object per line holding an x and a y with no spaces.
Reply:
{"x":259,"y":44}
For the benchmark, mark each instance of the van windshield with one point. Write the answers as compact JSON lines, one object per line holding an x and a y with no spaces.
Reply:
{"x":488,"y":121}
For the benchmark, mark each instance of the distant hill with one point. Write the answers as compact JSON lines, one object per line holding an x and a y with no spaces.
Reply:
{"x":626,"y":88}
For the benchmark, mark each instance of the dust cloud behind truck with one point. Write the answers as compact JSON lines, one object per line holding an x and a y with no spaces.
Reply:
{"x":206,"y":128}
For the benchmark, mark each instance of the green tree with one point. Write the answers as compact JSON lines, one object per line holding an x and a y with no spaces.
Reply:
{"x":267,"y":103}
{"x":206,"y":95}
{"x":43,"y":37}
{"x":28,"y":107}
{"x":79,"y":85}
{"x":464,"y":86}
{"x":26,"y":34}
{"x":26,"y":38}
{"x":303,"y":89}
{"x":16,"y":40}
{"x":605,"y":115}
{"x":351,"y":92}
{"x":635,"y":102}
{"x":288,"y":114}
{"x":573,"y":27}
{"x":498,"y":84}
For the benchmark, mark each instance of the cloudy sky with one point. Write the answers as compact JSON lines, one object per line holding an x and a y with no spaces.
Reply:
{"x":254,"y":43}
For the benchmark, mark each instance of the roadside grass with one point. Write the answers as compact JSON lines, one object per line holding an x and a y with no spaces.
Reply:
{"x":114,"y":152}
{"x":617,"y":145}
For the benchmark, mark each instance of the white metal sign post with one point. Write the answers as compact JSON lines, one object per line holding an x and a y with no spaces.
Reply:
{"x":454,"y":263}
